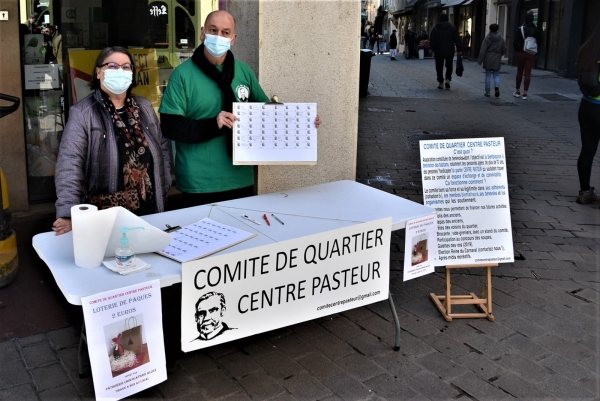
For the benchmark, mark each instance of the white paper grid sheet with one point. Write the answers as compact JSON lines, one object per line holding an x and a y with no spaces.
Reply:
{"x":203,"y":238}
{"x":275,"y":133}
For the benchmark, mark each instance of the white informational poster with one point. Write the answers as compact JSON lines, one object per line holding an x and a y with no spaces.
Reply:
{"x":41,"y":76}
{"x":466,"y":181}
{"x":275,"y":133}
{"x":125,"y":340}
{"x":420,"y":247}
{"x":264,"y":288}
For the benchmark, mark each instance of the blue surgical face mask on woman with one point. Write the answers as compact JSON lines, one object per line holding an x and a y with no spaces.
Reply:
{"x":117,"y":81}
{"x":216,"y":45}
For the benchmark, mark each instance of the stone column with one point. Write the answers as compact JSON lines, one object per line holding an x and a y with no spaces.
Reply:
{"x":306,"y":51}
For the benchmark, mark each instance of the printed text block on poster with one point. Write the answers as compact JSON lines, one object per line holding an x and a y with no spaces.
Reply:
{"x":466,"y":181}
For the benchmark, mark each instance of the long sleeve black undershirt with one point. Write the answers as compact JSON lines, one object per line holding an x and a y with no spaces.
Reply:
{"x":187,"y":130}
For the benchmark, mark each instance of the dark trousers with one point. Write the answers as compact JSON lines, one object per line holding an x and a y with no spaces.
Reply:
{"x":439,"y":68}
{"x":524,"y":65}
{"x":171,"y":296}
{"x":589,"y":123}
{"x":411,"y":50}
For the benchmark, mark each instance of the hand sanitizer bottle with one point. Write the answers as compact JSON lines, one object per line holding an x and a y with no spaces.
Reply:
{"x":124,"y":255}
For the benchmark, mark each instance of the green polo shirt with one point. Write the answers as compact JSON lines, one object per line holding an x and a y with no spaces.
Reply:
{"x":206,"y":167}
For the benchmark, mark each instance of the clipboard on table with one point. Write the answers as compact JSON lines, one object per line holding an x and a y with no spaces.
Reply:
{"x":201,"y":239}
{"x":275,"y":133}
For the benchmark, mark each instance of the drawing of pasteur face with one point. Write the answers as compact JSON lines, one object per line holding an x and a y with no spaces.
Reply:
{"x":209,"y":312}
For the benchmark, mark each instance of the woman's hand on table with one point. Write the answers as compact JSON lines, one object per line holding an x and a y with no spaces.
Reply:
{"x":62,"y":226}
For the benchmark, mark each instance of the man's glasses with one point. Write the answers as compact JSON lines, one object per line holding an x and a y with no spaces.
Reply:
{"x":115,"y":66}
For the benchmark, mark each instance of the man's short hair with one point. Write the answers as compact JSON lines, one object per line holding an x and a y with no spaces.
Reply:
{"x":494,"y":27}
{"x":204,"y":297}
{"x":444,"y":17}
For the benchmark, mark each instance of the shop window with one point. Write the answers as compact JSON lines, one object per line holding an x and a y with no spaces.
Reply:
{"x":185,"y":32}
{"x":158,"y":24}
{"x":189,"y":5}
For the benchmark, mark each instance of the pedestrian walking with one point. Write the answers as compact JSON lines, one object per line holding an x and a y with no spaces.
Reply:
{"x":524,"y":60}
{"x":393,"y":45}
{"x":444,"y":38}
{"x":380,"y":41}
{"x":410,"y":38}
{"x":490,"y":55}
{"x":373,"y":41}
{"x":588,"y":60}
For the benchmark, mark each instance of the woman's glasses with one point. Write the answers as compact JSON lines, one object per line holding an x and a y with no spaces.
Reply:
{"x":115,"y":66}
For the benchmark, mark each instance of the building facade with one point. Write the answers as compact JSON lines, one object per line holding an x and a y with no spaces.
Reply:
{"x":49,"y":73}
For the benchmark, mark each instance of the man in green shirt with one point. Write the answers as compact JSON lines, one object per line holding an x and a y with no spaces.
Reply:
{"x":196,"y":113}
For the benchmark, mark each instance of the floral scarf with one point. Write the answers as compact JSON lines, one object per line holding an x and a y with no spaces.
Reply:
{"x":134,"y":152}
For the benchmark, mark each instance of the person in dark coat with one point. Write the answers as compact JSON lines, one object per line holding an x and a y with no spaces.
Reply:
{"x":373,"y":41}
{"x":524,"y":60}
{"x":410,"y":39}
{"x":444,"y":38}
{"x":492,"y":50}
{"x":393,"y":45}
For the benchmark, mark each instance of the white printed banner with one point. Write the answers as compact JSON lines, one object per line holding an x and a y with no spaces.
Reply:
{"x":125,"y":340}
{"x":260,"y":289}
{"x":466,"y":181}
{"x":420,"y":247}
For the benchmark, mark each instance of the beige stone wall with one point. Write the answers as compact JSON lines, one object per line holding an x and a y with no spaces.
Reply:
{"x":12,"y":138}
{"x":307,"y":52}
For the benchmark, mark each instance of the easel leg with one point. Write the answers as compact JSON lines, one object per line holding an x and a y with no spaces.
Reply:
{"x":448,"y":299}
{"x":396,"y":322}
{"x":489,"y":293}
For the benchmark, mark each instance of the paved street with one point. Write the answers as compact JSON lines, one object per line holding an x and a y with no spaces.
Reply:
{"x":544,"y":343}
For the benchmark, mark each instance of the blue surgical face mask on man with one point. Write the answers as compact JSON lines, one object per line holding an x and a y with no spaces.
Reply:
{"x":216,"y":45}
{"x":117,"y":81}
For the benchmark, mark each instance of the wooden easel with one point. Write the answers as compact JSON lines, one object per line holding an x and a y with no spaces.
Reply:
{"x":444,"y":302}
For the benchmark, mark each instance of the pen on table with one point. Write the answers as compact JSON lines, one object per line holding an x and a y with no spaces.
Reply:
{"x":277,"y":218}
{"x":267,"y":219}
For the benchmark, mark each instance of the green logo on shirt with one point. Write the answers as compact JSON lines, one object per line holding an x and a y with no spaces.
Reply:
{"x":242,"y":92}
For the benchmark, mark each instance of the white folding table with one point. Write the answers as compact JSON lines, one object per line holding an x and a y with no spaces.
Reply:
{"x":304,"y":211}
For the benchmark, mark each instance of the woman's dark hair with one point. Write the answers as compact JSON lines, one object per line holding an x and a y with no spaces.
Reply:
{"x":494,"y":28}
{"x":589,"y":52}
{"x":95,"y":82}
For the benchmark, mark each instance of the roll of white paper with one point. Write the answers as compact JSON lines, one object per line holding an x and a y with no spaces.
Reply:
{"x":96,"y":234}
{"x":91,"y":231}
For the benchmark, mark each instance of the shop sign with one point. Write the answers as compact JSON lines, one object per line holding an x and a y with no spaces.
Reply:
{"x":157,"y":11}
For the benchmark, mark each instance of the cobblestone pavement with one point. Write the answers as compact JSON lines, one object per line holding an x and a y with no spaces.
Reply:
{"x":544,"y":342}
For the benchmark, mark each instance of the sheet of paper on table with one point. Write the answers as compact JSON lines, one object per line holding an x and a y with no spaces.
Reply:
{"x":203,"y":238}
{"x":275,"y":133}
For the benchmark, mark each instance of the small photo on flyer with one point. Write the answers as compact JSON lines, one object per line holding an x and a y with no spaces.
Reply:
{"x":419,"y":249}
{"x":127,"y":349}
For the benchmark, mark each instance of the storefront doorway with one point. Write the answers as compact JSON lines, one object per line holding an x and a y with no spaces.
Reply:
{"x":60,"y":40}
{"x":548,"y":19}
